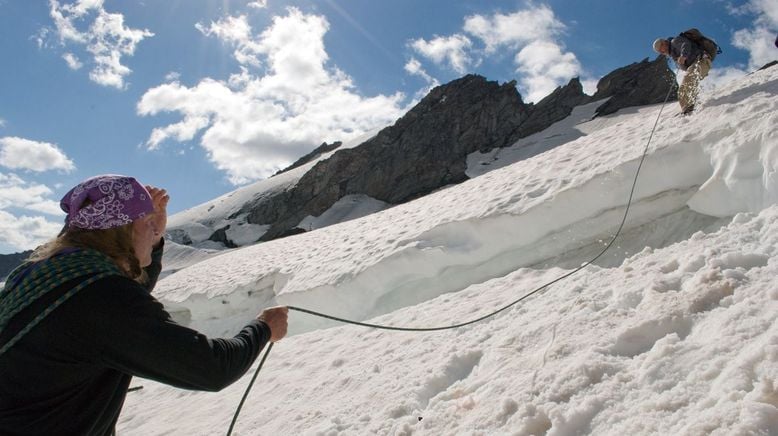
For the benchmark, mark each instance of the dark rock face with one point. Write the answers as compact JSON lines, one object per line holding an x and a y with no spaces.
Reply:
{"x":557,"y":106}
{"x":221,"y":236}
{"x":320,"y":150}
{"x":637,"y":84}
{"x":768,"y":65}
{"x":179,"y":236}
{"x":423,"y":151}
{"x":10,"y":261}
{"x":428,"y":147}
{"x":269,"y":209}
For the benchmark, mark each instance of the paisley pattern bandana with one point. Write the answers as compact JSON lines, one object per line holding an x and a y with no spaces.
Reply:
{"x":113,"y":201}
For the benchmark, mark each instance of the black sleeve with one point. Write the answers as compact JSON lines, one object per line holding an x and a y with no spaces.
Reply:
{"x":153,"y":270}
{"x":135,"y":335}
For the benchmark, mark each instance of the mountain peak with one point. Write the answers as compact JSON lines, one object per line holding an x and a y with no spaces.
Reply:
{"x":637,"y":84}
{"x":425,"y":149}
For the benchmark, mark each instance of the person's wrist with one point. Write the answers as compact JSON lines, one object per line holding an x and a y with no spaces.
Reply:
{"x":266,"y":326}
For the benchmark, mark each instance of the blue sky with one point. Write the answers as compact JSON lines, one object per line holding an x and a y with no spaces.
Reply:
{"x":203,"y":96}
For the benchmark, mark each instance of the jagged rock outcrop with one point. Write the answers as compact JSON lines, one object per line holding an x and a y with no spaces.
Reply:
{"x":556,"y":106}
{"x":428,"y":147}
{"x":768,"y":65}
{"x":318,"y":151}
{"x":424,"y":150}
{"x":220,"y":235}
{"x":638,"y":84}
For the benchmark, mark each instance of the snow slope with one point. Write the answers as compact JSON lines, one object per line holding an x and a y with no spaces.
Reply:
{"x":673,"y":332}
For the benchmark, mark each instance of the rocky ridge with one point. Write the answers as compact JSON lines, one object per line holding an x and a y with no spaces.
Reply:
{"x":427,"y":148}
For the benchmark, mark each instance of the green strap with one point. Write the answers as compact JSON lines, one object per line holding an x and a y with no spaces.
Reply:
{"x":51,"y":308}
{"x":30,"y":282}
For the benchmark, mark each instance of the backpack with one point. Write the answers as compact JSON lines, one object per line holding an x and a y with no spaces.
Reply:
{"x":708,"y":45}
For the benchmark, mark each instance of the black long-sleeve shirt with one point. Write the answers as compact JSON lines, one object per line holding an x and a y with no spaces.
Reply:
{"x":70,"y":373}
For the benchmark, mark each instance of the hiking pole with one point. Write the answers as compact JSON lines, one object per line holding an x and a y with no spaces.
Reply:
{"x":248,"y":389}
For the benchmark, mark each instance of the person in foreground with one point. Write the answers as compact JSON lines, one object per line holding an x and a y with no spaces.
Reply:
{"x":690,"y":56}
{"x":77,"y":320}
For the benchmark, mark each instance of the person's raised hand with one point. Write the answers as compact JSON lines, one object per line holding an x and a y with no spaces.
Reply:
{"x":277,"y":318}
{"x":159,"y":199}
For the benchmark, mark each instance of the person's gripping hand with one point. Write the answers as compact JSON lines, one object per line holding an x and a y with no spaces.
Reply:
{"x":277,"y":318}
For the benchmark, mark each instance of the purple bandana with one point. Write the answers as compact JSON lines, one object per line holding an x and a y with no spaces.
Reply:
{"x":115,"y":201}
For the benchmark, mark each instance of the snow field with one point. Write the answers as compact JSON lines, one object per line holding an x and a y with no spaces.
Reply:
{"x":679,"y":338}
{"x":347,"y":208}
{"x":559,"y":201}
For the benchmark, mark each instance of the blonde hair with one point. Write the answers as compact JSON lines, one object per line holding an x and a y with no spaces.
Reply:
{"x":115,"y":243}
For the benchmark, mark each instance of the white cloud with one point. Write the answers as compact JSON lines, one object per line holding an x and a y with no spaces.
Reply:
{"x":589,"y":86}
{"x":49,"y":207}
{"x":2,"y":122}
{"x":42,"y":37}
{"x":544,"y":66}
{"x":255,"y":123}
{"x":516,"y":29}
{"x":72,"y":61}
{"x":759,"y":39}
{"x":414,"y":68}
{"x":106,"y":38}
{"x":541,"y":61}
{"x":26,"y":232}
{"x":532,"y":34}
{"x":258,"y":4}
{"x":20,"y":153}
{"x":21,"y":231}
{"x":16,"y":192}
{"x":449,"y":49}
{"x":236,"y":31}
{"x":720,"y":76}
{"x":172,"y":76}
{"x":758,"y":42}
{"x":766,"y":10}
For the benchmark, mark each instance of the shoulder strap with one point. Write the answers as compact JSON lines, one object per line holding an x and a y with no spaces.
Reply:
{"x":30,"y":282}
